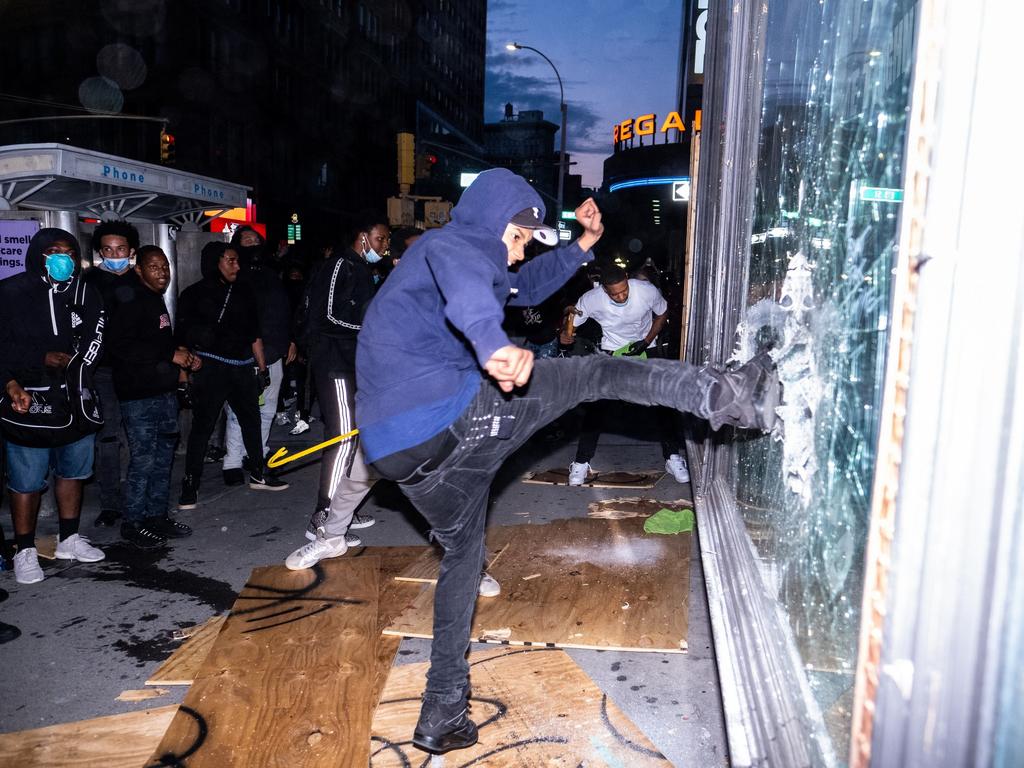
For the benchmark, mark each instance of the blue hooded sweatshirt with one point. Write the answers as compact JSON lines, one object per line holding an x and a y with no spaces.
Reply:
{"x":437,"y":319}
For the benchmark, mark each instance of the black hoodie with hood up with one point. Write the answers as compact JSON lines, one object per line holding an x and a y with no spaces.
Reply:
{"x":38,"y":316}
{"x":215,"y":316}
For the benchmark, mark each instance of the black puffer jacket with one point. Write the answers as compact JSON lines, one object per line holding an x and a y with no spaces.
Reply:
{"x":38,"y":316}
{"x":215,"y":316}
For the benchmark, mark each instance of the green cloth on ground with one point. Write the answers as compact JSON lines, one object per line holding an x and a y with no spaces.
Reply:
{"x":670,"y":521}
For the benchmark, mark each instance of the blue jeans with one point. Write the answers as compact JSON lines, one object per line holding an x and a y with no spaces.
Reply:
{"x":27,"y":467}
{"x":151,"y":425}
{"x":448,"y":478}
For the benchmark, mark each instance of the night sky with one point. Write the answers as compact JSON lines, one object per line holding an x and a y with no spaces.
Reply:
{"x":617,"y":60}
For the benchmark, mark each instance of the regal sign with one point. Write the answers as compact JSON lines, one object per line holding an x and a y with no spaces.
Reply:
{"x":647,"y":125}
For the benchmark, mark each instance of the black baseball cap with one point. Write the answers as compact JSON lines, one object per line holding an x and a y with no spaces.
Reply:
{"x":529,"y":218}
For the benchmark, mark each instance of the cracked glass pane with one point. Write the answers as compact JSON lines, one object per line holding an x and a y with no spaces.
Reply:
{"x":823,"y":246}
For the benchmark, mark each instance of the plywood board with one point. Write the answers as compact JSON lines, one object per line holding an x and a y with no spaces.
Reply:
{"x":290,"y":677}
{"x":46,"y":547}
{"x":181,"y":667}
{"x":580,"y":583}
{"x":426,"y":567}
{"x":533,"y":708}
{"x":633,"y":506}
{"x":560,"y":476}
{"x":117,"y":741}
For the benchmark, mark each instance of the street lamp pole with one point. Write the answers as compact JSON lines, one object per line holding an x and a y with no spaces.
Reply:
{"x":561,"y":97}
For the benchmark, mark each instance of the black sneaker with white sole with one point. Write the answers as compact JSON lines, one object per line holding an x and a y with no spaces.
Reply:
{"x":170,"y":528}
{"x":189,"y":497}
{"x":142,"y":535}
{"x":266,"y":483}
{"x":361,"y":521}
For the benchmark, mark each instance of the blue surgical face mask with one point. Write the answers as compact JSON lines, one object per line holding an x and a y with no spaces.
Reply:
{"x":59,"y":266}
{"x":116,"y":265}
{"x":371,"y":256}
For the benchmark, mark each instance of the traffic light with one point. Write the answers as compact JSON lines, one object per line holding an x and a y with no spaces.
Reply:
{"x":166,"y":147}
{"x":406,"y":159}
{"x":425,"y":165}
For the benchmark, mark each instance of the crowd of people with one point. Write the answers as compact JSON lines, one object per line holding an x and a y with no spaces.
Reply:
{"x":89,"y":354}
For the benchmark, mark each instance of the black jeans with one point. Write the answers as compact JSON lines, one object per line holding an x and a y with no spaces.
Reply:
{"x":213,"y":385}
{"x":449,"y":477}
{"x":108,"y":441}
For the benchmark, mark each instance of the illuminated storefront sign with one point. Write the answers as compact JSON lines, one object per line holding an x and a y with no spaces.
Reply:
{"x":648,"y":125}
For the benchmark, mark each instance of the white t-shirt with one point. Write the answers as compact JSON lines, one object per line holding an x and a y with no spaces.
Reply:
{"x":622,"y":325}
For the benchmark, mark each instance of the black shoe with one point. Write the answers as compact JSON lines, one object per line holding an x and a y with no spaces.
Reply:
{"x":234,"y":476}
{"x":107,"y":518}
{"x":266,"y":482}
{"x":444,"y":727}
{"x":172,"y":529}
{"x":8,"y":632}
{"x":214,"y":453}
{"x":189,"y":493}
{"x":746,"y":397}
{"x":142,"y":535}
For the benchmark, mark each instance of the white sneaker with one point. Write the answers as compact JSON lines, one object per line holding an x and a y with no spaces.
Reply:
{"x":299,"y":428}
{"x":310,"y":554}
{"x":676,"y":466}
{"x":282,"y":419}
{"x":578,"y":473}
{"x":76,"y":547}
{"x":26,"y":566}
{"x":489,"y":587}
{"x":350,"y":539}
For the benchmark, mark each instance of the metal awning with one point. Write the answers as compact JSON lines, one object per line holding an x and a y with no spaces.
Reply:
{"x":61,"y":177}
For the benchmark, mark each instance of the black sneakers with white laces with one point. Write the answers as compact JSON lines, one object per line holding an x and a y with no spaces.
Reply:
{"x":142,"y":535}
{"x":266,"y":482}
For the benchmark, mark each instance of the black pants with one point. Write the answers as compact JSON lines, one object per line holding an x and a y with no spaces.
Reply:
{"x":213,"y":385}
{"x":449,"y":477}
{"x":595,"y":421}
{"x":337,"y":396}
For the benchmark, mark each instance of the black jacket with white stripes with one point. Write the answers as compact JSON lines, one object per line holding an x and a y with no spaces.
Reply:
{"x":332,"y":311}
{"x":38,"y":316}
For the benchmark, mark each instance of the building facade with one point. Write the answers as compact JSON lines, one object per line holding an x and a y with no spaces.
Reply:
{"x":299,"y":99}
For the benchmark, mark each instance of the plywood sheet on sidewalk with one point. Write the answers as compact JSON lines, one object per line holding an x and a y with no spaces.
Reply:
{"x":289,"y":679}
{"x":580,"y":583}
{"x":533,"y":708}
{"x":426,"y":567}
{"x":182,"y":666}
{"x":560,"y":476}
{"x":633,"y":506}
{"x":117,"y":741}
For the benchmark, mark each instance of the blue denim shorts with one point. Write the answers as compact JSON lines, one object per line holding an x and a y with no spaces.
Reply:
{"x":27,"y":468}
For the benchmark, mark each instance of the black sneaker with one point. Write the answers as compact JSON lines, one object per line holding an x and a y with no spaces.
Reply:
{"x":444,"y":727}
{"x":107,"y":518}
{"x":266,"y":483}
{"x":189,"y":497}
{"x":362,"y":521}
{"x":172,"y":529}
{"x":746,"y":397}
{"x":142,"y":535}
{"x":214,"y":453}
{"x":234,"y":476}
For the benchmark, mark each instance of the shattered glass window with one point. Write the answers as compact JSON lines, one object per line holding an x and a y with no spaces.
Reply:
{"x":823,"y":247}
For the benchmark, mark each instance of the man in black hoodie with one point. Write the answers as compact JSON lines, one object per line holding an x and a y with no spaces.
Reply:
{"x":44,"y":328}
{"x":218,"y":318}
{"x":115,"y":244}
{"x":275,"y":317}
{"x":146,"y":363}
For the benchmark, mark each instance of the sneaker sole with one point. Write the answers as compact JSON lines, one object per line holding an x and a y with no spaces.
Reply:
{"x":439,"y":746}
{"x":261,"y":487}
{"x":357,"y":526}
{"x":188,"y":506}
{"x":291,"y":567}
{"x":30,"y":581}
{"x":767,"y":395}
{"x":59,"y":556}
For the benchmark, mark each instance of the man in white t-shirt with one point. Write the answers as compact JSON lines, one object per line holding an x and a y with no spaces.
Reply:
{"x":631,"y":314}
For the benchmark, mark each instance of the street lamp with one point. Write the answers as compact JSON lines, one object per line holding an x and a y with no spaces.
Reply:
{"x":561,"y":94}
